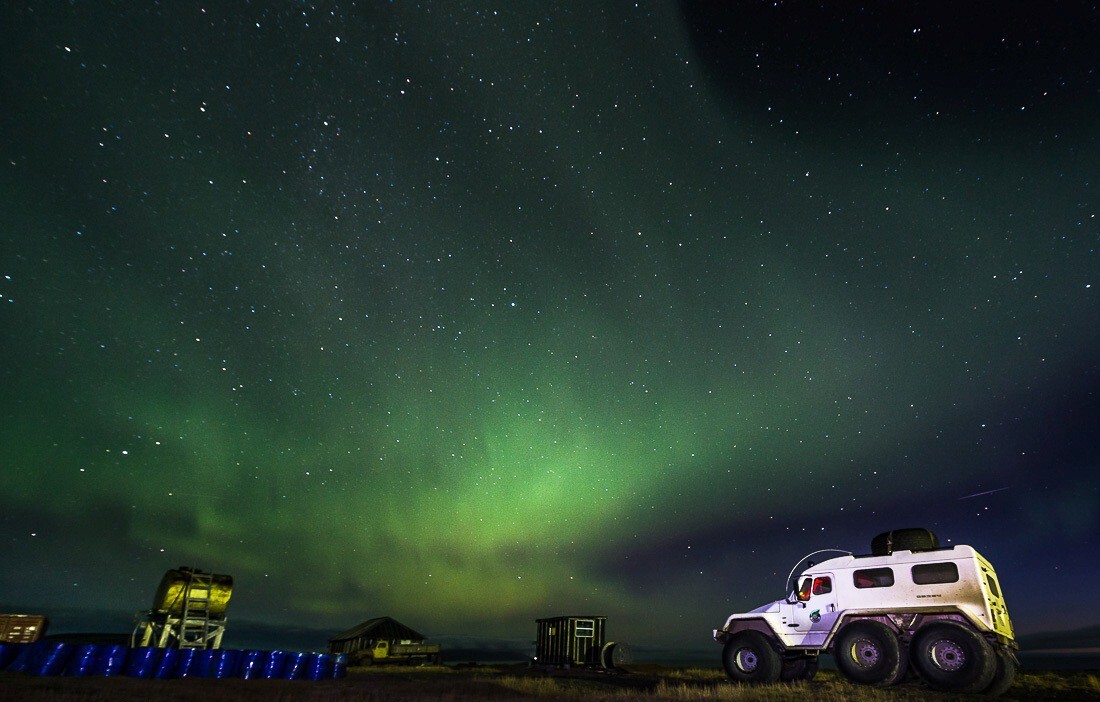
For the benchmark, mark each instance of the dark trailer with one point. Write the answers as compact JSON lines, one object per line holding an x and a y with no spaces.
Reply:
{"x":574,"y":640}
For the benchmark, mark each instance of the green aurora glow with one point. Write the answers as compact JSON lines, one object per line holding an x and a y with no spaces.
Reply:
{"x":464,"y":391}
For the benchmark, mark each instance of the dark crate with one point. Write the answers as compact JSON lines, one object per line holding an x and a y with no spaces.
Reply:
{"x":569,"y":641}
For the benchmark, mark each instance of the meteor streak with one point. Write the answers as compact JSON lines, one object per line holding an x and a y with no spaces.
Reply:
{"x":979,"y":494}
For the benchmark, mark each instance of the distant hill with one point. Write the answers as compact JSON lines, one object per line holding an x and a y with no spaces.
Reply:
{"x":250,"y":634}
{"x":67,"y":620}
{"x":1085,"y":638}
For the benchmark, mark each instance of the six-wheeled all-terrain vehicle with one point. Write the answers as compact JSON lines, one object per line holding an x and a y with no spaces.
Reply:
{"x":910,"y":603}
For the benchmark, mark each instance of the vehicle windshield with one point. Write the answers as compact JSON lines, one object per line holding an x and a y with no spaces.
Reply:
{"x":804,"y":589}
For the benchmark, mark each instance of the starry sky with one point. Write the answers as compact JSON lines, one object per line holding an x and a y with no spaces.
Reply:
{"x":469,"y":313}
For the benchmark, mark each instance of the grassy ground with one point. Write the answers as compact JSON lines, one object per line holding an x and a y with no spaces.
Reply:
{"x":458,"y":684}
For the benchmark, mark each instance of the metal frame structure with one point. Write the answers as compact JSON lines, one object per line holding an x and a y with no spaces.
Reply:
{"x":195,"y":627}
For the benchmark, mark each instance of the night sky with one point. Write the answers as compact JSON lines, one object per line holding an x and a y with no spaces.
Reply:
{"x":470,"y":313}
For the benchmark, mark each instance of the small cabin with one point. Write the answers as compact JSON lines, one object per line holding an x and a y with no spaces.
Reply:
{"x":570,"y":641}
{"x":21,"y":628}
{"x":365,"y":636}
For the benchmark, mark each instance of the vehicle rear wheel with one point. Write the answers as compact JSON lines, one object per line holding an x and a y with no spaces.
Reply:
{"x":749,"y":658}
{"x":1004,"y":676}
{"x":868,"y":652}
{"x":798,"y":668}
{"x":949,"y":656}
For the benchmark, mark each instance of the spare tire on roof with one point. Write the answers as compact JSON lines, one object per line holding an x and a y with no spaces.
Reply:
{"x":903,"y":540}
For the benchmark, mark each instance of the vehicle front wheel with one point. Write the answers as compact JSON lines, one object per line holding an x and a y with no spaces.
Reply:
{"x":953,"y":657}
{"x":749,"y":658}
{"x":868,"y":652}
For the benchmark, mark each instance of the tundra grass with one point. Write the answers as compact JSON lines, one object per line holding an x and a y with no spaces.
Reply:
{"x":648,"y":684}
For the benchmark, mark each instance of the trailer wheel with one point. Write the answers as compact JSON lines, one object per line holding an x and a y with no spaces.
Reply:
{"x":749,"y":658}
{"x":868,"y":652}
{"x":614,"y":654}
{"x":798,"y":668}
{"x":952,"y":657}
{"x":1004,"y":676}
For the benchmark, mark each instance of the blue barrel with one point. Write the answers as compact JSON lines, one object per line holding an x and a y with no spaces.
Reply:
{"x":273,"y":666}
{"x":252,"y":664}
{"x":111,"y":660}
{"x":296,"y":665}
{"x":27,"y":657}
{"x":166,"y":665}
{"x":187,"y":665}
{"x":340,"y":665}
{"x":82,"y":662}
{"x":143,"y":661}
{"x":204,"y":663}
{"x":8,"y":652}
{"x":223,"y":664}
{"x":320,"y":667}
{"x":52,"y":660}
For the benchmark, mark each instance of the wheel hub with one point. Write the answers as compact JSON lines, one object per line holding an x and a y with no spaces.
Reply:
{"x":746,"y":660}
{"x":948,"y":655}
{"x":865,"y":653}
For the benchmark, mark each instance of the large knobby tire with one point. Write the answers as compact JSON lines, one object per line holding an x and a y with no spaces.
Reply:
{"x":1004,"y":676}
{"x":903,"y":540}
{"x":952,"y":657}
{"x":798,"y":668}
{"x":869,"y":653}
{"x":749,"y":658}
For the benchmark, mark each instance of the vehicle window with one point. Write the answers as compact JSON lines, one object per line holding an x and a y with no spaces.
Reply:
{"x":586,"y":629}
{"x":992,"y":585}
{"x":873,"y":577}
{"x":804,"y":590}
{"x":934,"y":573}
{"x":822,"y":586}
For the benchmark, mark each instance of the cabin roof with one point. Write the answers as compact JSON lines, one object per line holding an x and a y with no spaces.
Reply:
{"x":380,"y":628}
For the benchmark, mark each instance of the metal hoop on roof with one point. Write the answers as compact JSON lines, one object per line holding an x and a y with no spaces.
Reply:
{"x":800,"y":560}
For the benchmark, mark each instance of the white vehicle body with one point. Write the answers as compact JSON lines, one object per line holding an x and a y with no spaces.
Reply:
{"x":902,"y":590}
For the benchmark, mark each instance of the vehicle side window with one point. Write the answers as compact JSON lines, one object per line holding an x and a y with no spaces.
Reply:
{"x":586,"y":629}
{"x":822,"y":586}
{"x":873,"y":577}
{"x":935,"y":573}
{"x":992,"y":585}
{"x":804,"y":590}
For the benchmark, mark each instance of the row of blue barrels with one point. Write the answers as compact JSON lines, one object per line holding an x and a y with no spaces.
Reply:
{"x":46,"y":658}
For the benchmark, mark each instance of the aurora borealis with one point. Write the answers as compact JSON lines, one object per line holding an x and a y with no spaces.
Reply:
{"x":469,"y":314}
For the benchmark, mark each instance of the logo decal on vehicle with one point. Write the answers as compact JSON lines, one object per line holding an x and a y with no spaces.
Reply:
{"x":815,"y":616}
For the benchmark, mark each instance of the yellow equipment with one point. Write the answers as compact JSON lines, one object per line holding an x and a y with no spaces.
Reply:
{"x":188,"y":611}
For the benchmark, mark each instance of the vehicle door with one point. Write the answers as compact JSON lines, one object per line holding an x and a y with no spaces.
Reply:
{"x":382,"y":649}
{"x":815,"y":612}
{"x":584,"y":633}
